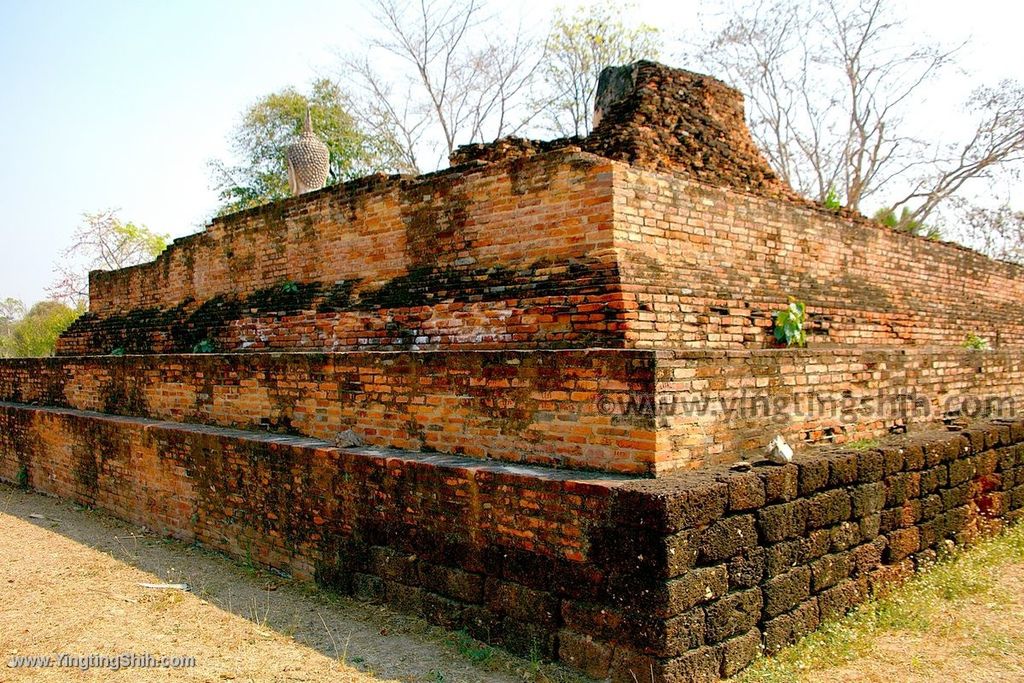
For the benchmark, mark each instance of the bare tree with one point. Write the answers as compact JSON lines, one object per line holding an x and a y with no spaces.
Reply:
{"x":579,"y":46}
{"x":102,"y":242}
{"x":829,"y":86}
{"x":463,"y":78}
{"x":998,"y":232}
{"x":996,"y":143}
{"x":828,"y":89}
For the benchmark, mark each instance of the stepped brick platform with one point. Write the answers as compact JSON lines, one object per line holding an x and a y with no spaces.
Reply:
{"x":684,"y":578}
{"x":545,"y":245}
{"x":550,"y":251}
{"x":552,"y":353}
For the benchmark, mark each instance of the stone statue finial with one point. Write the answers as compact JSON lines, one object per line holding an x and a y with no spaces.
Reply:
{"x":309,"y":160}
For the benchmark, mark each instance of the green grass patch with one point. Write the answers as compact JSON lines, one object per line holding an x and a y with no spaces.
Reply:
{"x":919,"y":606}
{"x":471,"y":648}
{"x":862,"y":444}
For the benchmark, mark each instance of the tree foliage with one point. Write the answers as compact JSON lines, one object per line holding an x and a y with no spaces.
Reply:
{"x":33,"y":333}
{"x":578,"y":47}
{"x":271,"y":123}
{"x":11,"y":310}
{"x":102,"y":241}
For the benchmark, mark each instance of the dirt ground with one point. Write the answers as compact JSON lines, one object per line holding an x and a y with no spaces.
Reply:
{"x":69,"y":583}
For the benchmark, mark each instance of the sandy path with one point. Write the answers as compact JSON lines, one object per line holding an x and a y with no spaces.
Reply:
{"x":69,"y":584}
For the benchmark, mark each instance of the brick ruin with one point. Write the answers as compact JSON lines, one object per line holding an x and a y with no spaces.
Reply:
{"x":526,"y":345}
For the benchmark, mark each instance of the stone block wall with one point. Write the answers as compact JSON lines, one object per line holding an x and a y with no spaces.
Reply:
{"x":684,"y":578}
{"x":766,"y":556}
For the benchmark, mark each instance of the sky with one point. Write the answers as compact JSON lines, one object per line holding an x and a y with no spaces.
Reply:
{"x":121,"y":103}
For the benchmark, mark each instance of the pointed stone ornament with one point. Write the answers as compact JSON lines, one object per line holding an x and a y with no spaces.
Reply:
{"x":309,"y":160}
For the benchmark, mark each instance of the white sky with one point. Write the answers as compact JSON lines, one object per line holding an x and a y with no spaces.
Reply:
{"x":120,"y":103}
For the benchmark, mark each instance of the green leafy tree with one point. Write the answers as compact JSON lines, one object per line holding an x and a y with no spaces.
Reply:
{"x":35,"y":333}
{"x":102,"y":241}
{"x":275,"y":120}
{"x":11,"y":310}
{"x":578,"y":47}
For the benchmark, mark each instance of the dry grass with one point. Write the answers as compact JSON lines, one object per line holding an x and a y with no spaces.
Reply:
{"x":69,"y":584}
{"x":962,"y":620}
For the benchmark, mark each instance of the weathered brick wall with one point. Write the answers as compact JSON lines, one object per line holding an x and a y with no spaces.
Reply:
{"x":615,"y":410}
{"x":485,"y":256}
{"x":379,"y":228}
{"x":468,"y":544}
{"x":673,"y":120}
{"x":718,"y":407}
{"x":681,"y":578}
{"x":519,"y":406}
{"x":708,"y":266}
{"x":522,"y":253}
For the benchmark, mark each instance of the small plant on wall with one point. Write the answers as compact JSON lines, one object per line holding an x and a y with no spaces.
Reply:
{"x":831,"y":201}
{"x":205,"y":346}
{"x":789,"y":324}
{"x":976,"y":343}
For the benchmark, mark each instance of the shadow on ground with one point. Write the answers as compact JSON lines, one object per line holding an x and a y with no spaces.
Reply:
{"x":69,"y":582}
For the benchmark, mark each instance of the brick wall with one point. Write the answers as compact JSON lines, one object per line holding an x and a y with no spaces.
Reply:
{"x":708,"y":266}
{"x":663,"y":119}
{"x":519,"y":406}
{"x":484,"y":256}
{"x":718,"y":407}
{"x":379,"y":228}
{"x":557,"y":250}
{"x":682,"y":578}
{"x":615,"y":410}
{"x":497,"y":550}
